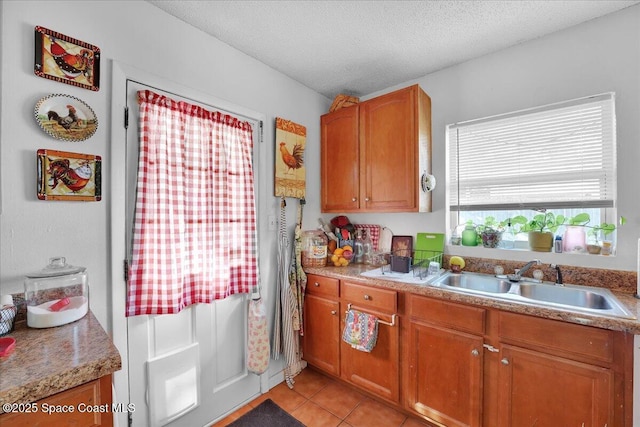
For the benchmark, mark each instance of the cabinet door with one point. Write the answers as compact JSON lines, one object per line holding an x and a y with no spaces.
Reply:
{"x":321,"y":343}
{"x":445,"y":375}
{"x":388,"y":152}
{"x":339,"y":170}
{"x":379,"y":370}
{"x":545,"y":390}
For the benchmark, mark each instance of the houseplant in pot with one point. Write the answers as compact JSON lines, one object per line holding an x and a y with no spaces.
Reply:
{"x":541,"y":229}
{"x":574,"y":239}
{"x":490,"y":232}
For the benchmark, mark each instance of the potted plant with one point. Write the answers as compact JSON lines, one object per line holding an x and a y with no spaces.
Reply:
{"x":541,"y":230}
{"x":490,"y":232}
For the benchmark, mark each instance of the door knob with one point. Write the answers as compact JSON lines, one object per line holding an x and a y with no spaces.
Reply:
{"x":475,"y":352}
{"x":505,"y":361}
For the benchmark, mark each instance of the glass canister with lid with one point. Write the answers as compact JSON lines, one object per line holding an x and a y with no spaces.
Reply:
{"x":314,"y":249}
{"x":56,"y":295}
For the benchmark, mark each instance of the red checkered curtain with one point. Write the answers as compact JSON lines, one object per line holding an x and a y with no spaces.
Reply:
{"x":194,"y":237}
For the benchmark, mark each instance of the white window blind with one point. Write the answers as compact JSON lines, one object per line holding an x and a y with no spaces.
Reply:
{"x":556,"y":156}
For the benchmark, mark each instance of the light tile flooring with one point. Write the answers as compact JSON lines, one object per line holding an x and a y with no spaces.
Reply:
{"x":319,"y":401}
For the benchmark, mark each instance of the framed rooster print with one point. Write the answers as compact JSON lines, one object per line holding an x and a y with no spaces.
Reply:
{"x":290,"y":171}
{"x":69,"y":176}
{"x":67,"y":60}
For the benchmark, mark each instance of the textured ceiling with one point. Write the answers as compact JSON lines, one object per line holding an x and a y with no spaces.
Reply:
{"x":360,"y":47}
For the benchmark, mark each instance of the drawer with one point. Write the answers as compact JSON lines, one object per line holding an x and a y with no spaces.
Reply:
{"x":364,"y":296}
{"x":451,"y":315}
{"x":552,"y":336}
{"x":322,"y":286}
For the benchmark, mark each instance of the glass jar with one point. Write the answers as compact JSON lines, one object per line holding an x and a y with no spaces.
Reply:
{"x":56,"y":295}
{"x":470,"y":236}
{"x":314,"y":249}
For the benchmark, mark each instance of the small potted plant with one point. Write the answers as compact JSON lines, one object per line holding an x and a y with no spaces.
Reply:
{"x":541,"y":229}
{"x":490,"y":232}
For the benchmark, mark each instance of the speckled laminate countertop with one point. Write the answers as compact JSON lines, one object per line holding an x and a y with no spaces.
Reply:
{"x":48,"y":361}
{"x":352,"y":273}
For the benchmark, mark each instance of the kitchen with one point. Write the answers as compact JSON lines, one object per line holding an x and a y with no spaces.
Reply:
{"x":598,"y":56}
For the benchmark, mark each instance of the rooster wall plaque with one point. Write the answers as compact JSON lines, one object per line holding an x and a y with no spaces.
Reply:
{"x":67,"y":60}
{"x":290,"y":171}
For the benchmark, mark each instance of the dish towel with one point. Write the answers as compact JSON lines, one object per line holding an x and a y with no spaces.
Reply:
{"x":360,"y":330}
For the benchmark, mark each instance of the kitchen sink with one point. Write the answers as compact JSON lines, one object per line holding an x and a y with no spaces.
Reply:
{"x":584,"y":299}
{"x":565,"y":295}
{"x":474,"y":282}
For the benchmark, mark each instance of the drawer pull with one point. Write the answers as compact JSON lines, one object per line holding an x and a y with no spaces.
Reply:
{"x":475,"y":352}
{"x":333,"y":312}
{"x":491,"y":348}
{"x":505,"y":361}
{"x":393,"y":317}
{"x":367,"y":297}
{"x":316,"y":284}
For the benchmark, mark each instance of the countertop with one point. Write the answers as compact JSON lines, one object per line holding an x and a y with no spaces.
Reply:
{"x":352,"y":273}
{"x":48,"y":361}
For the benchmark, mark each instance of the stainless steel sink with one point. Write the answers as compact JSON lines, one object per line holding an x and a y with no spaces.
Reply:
{"x":566,"y":296}
{"x":479,"y":283}
{"x":582,"y":299}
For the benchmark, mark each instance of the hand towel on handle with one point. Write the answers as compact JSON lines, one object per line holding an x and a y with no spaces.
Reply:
{"x":258,"y":341}
{"x":360,"y":330}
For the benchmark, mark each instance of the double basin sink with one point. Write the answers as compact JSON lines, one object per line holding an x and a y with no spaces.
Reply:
{"x":575,"y":298}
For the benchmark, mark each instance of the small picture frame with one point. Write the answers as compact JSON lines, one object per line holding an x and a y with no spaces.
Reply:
{"x":69,"y":176}
{"x":402,"y":246}
{"x":290,"y":170}
{"x":65,"y":59}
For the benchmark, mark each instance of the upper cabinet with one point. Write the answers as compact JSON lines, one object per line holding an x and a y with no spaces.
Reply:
{"x":375,"y":153}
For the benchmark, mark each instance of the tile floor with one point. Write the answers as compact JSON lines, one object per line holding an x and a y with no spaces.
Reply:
{"x":319,"y":401}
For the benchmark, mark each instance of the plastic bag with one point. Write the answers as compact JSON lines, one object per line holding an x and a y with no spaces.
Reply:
{"x":258,"y":342}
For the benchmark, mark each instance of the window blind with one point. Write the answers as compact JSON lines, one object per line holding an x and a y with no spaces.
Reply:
{"x":556,"y":156}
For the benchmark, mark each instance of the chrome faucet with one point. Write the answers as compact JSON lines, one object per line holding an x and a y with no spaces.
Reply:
{"x":518,"y":274}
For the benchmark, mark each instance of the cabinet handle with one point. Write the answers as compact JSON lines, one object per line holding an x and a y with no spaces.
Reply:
{"x":367,"y":297}
{"x":491,"y":348}
{"x":333,"y":312}
{"x":354,"y":199}
{"x":475,"y":352}
{"x":316,"y":284}
{"x":505,"y":361}
{"x":366,"y":199}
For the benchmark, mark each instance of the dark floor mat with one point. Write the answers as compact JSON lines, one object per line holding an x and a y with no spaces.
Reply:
{"x":266,"y":414}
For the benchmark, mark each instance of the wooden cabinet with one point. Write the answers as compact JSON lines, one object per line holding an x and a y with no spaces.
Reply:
{"x":321,"y":343}
{"x":86,"y":405}
{"x":470,"y":366}
{"x":379,"y":370}
{"x":456,"y":364}
{"x":553,"y":373}
{"x":446,"y":355}
{"x":373,"y":154}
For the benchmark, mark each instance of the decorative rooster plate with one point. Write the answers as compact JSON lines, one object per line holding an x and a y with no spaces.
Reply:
{"x":66,"y":117}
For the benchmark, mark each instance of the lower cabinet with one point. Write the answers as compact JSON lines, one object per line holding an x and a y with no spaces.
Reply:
{"x":446,"y":354}
{"x":86,"y":405}
{"x":540,"y":389}
{"x":321,"y":342}
{"x":379,"y":370}
{"x":455,"y":364}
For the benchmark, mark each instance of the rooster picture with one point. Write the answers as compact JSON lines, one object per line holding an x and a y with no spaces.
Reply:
{"x":68,"y":121}
{"x":72,"y":65}
{"x":293,"y":159}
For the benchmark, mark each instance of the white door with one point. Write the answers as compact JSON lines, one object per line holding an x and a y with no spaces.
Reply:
{"x":185,"y":369}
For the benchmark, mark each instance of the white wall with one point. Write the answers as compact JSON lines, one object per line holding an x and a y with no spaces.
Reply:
{"x":139,"y":35}
{"x":599,"y":56}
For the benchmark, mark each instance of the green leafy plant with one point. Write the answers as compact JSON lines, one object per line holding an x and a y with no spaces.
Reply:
{"x":544,"y":222}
